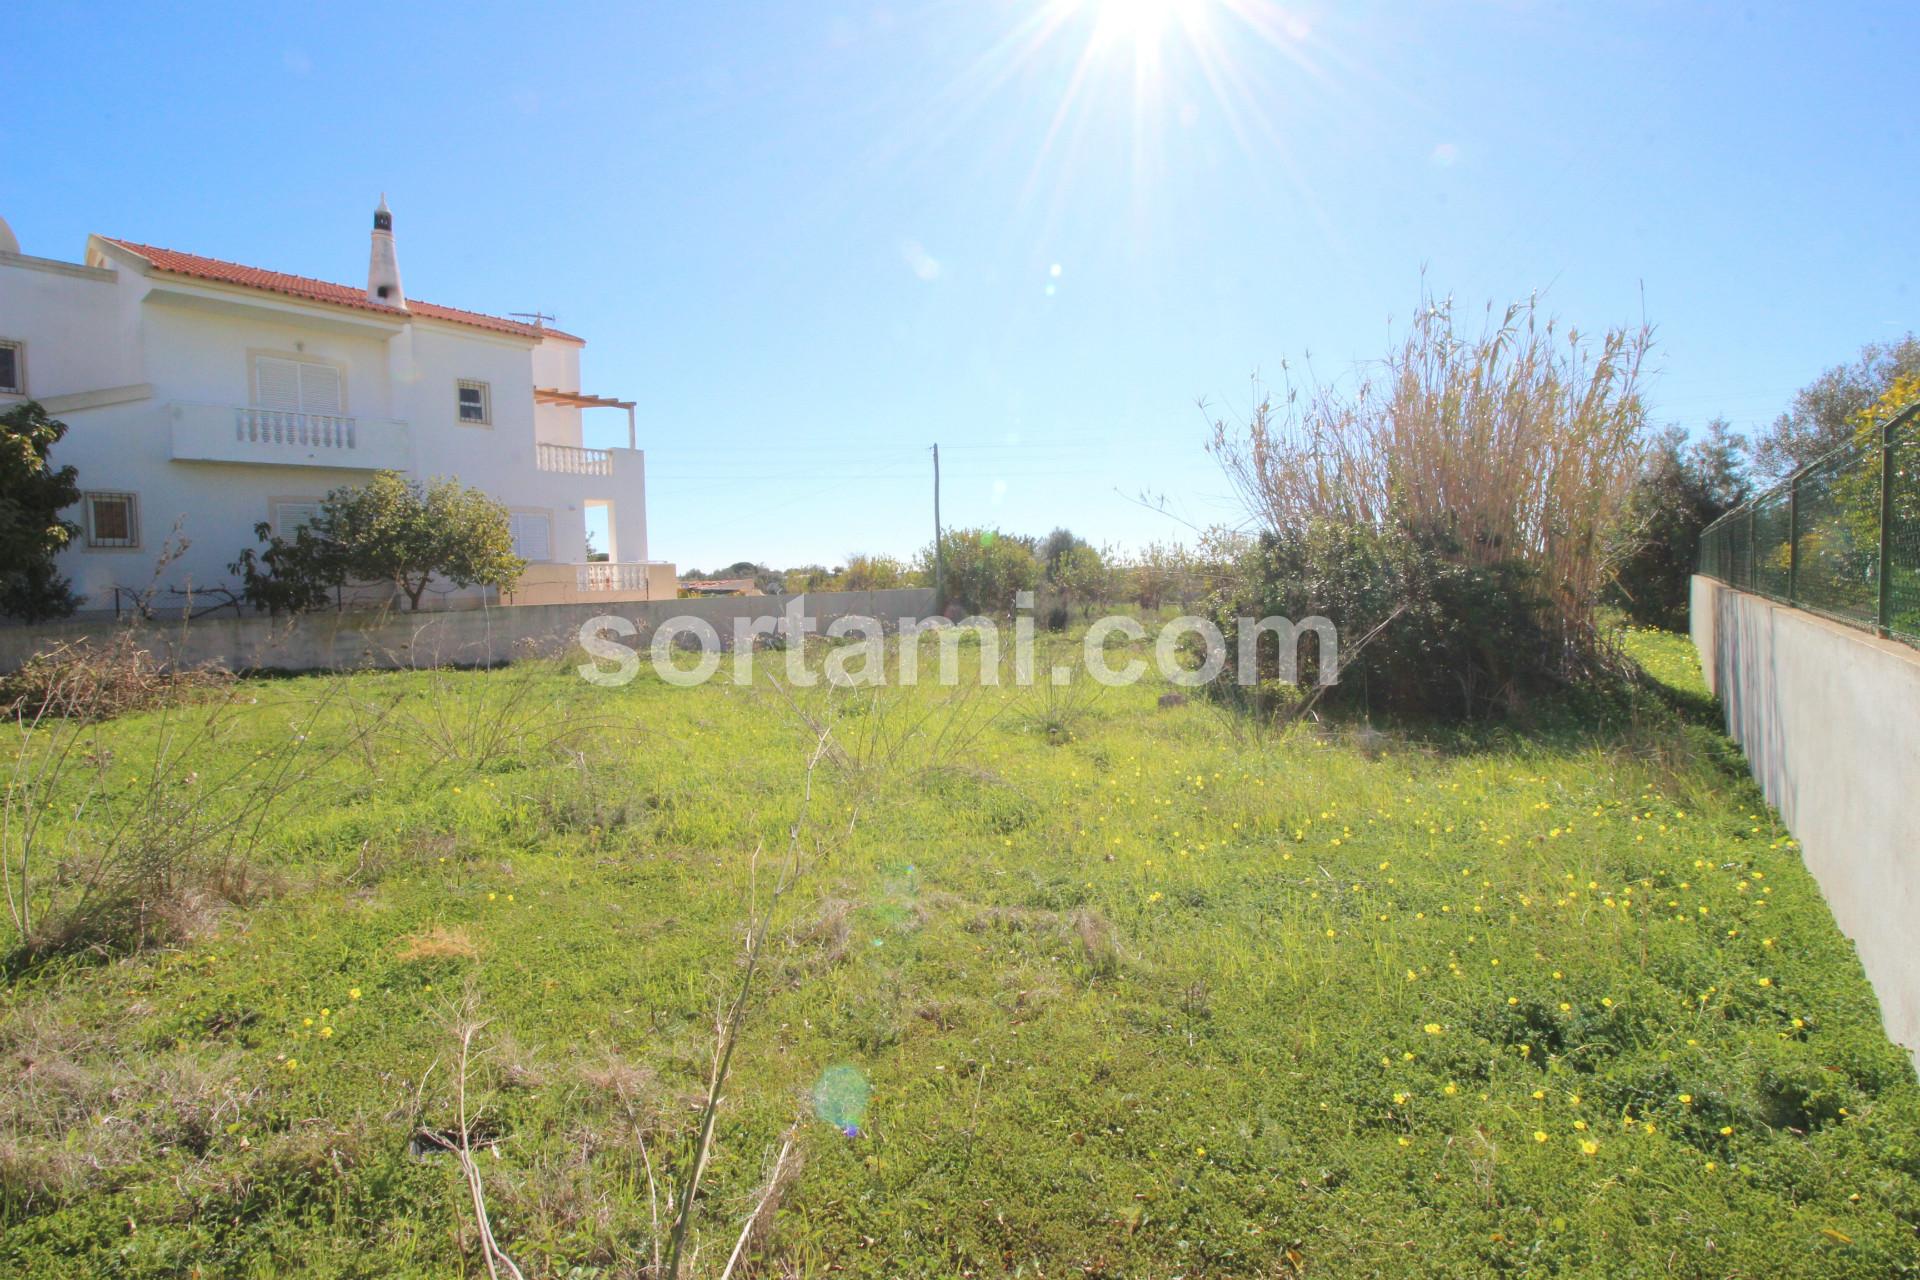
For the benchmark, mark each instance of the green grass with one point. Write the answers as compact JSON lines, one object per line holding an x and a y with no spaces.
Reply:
{"x":1135,"y":993}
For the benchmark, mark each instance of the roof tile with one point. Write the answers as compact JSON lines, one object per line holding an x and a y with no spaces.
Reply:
{"x":308,"y":289}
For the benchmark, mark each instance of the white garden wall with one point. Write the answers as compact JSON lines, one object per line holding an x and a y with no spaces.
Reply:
{"x":353,"y":639}
{"x":1829,"y":717}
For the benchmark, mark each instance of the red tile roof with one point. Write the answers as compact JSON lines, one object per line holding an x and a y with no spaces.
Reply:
{"x":307,"y":289}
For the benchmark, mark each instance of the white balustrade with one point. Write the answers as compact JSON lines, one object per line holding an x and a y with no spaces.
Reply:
{"x":569,"y":460}
{"x":275,"y":428}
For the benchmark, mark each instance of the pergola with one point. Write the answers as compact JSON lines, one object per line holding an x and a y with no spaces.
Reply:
{"x":581,"y":400}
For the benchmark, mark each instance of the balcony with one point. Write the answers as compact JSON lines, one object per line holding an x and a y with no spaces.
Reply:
{"x":598,"y":581}
{"x":605,"y":575}
{"x":569,"y":460}
{"x":234,"y":433}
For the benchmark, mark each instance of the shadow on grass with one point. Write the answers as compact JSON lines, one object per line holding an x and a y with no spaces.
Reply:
{"x":1653,"y":692}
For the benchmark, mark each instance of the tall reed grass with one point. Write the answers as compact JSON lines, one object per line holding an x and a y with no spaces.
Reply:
{"x":1513,"y":445}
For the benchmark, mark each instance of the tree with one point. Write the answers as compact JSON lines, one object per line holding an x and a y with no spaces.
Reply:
{"x":803,"y":578}
{"x":32,"y":494}
{"x":1080,"y":576}
{"x":1824,"y":412}
{"x":1053,"y":549}
{"x":292,"y":575}
{"x":986,"y":569}
{"x":393,"y":530}
{"x":1856,"y":485}
{"x":871,"y":573}
{"x":389,"y":530}
{"x":1164,"y":572}
{"x":1683,"y":487}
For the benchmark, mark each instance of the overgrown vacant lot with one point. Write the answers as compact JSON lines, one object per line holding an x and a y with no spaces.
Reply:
{"x":1065,"y":985}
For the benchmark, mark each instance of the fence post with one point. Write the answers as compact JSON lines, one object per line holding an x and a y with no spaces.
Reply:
{"x":1793,"y":539}
{"x":1753,"y":573}
{"x":1886,"y":528}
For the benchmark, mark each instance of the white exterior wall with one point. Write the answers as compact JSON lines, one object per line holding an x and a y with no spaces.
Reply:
{"x":1829,"y":718}
{"x":173,"y":350}
{"x":557,"y":365}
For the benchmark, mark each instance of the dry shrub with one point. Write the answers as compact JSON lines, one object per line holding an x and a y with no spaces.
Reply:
{"x":557,"y":1199}
{"x":91,"y":680}
{"x":1012,"y":920}
{"x":1098,"y":939}
{"x":33,"y":1173}
{"x":832,"y":930}
{"x":89,"y":862}
{"x":479,"y":719}
{"x":438,"y":943}
{"x":517,"y":1066}
{"x":624,"y":1083}
{"x":757,"y":1235}
{"x":307,"y":1159}
{"x":80,"y":1112}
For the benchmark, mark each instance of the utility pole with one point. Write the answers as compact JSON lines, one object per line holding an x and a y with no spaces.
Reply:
{"x":939,"y":551}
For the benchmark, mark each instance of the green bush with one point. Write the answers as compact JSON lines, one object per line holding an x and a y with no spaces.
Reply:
{"x":986,"y":569}
{"x":1448,"y":638}
{"x":32,"y":493}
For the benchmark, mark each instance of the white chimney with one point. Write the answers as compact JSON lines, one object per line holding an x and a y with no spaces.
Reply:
{"x":383,"y":265}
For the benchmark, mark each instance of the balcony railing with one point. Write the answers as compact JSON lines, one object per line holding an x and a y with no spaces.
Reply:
{"x":273,"y":428}
{"x":574,"y":461}
{"x":605,"y":575}
{"x":241,"y":433}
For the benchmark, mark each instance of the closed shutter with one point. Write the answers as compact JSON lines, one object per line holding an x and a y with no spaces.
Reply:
{"x":294,"y":516}
{"x":276,"y":384}
{"x":295,"y":386}
{"x":532,"y":537}
{"x":319,"y":389}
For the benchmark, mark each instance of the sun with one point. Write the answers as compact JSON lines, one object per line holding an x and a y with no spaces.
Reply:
{"x":1140,"y":25}
{"x":1138,"y":22}
{"x":1140,"y":79}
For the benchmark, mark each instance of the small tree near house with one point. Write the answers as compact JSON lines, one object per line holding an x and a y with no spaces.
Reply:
{"x":290,"y":575}
{"x":389,"y":530}
{"x":32,"y":494}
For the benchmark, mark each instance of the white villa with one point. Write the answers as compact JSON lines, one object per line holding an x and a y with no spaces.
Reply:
{"x":203,"y":398}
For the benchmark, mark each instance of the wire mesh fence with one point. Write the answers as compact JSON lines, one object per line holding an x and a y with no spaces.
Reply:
{"x":1842,"y":537}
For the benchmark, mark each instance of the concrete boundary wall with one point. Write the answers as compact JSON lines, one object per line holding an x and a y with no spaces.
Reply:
{"x":341,"y":641}
{"x":1829,"y":717}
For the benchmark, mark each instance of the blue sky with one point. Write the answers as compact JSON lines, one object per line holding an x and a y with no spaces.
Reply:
{"x":811,"y":239}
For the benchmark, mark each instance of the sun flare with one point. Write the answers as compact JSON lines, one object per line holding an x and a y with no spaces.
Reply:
{"x":1140,"y":25}
{"x":1143,"y":79}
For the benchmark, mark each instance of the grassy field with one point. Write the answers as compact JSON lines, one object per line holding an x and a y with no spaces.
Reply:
{"x":1065,"y":985}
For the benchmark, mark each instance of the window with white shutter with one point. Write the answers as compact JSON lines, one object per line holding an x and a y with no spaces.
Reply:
{"x":276,"y":384}
{"x":532,"y":536}
{"x":319,"y":388}
{"x":292,"y":515}
{"x":296,"y":386}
